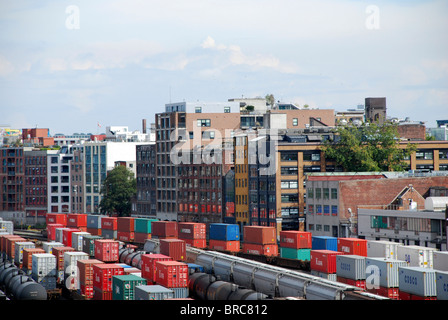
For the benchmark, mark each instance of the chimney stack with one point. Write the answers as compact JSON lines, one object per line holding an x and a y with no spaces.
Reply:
{"x":144,"y":125}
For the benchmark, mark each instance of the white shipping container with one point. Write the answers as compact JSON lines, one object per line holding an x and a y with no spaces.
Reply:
{"x":416,"y":256}
{"x":440,"y":260}
{"x":382,"y":249}
{"x":18,"y":250}
{"x":48,"y":246}
{"x":59,"y":236}
{"x":351,"y":266}
{"x":442,"y":285}
{"x":77,"y":239}
{"x":385,"y":269}
{"x":418,"y":280}
{"x":44,"y":265}
{"x":7,"y":226}
{"x":329,"y":276}
{"x":153,"y":292}
{"x":71,"y":268}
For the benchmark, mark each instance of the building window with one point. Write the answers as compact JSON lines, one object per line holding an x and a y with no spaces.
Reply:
{"x":289,"y":171}
{"x":226,"y":109}
{"x":310,"y":209}
{"x":198,"y":110}
{"x":295,"y":122}
{"x":326,"y":210}
{"x":318,"y":193}
{"x":310,"y":193}
{"x":326,"y":193}
{"x":204,"y":122}
{"x":318,"y":209}
{"x":334,"y":193}
{"x":334,"y":210}
{"x":288,"y":156}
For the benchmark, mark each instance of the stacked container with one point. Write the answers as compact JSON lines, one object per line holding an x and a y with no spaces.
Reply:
{"x":193,"y":233}
{"x":94,"y":224}
{"x":125,"y":229}
{"x":59,"y":253}
{"x":149,"y":265}
{"x":174,"y":248}
{"x":85,"y":268}
{"x":351,"y":269}
{"x":442,"y":285}
{"x":224,"y":236}
{"x":11,"y":246}
{"x":6,"y":227}
{"x":164,"y":229}
{"x":323,"y":263}
{"x":77,"y":239}
{"x":102,"y":280}
{"x":382,"y":276}
{"x":260,"y":240}
{"x":59,"y":237}
{"x":71,"y":274}
{"x":77,"y":221}
{"x":173,"y":275}
{"x":382,"y":249}
{"x":123,"y":287}
{"x":28,"y":258}
{"x":440,"y":260}
{"x":153,"y":292}
{"x":324,"y":243}
{"x":4,"y":243}
{"x":88,"y":244}
{"x":49,"y":245}
{"x":109,"y":227}
{"x":51,"y":230}
{"x":142,"y":229}
{"x":67,"y":236}
{"x":417,"y":283}
{"x":295,"y":245}
{"x":353,"y":246}
{"x":107,"y":250}
{"x":44,"y":270}
{"x":416,"y":256}
{"x":59,"y":218}
{"x":18,"y":254}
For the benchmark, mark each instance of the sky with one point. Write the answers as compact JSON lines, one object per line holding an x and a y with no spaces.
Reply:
{"x":79,"y":66}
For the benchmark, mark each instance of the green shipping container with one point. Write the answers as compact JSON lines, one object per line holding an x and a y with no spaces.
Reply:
{"x":296,"y":254}
{"x":123,"y":286}
{"x":143,"y":225}
{"x":88,"y":244}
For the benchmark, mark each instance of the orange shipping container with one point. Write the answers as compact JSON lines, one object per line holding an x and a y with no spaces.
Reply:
{"x":260,"y":235}
{"x":174,"y":248}
{"x":140,"y":237}
{"x":296,"y":239}
{"x":51,"y":230}
{"x":109,"y":223}
{"x":172,"y":274}
{"x":197,"y":243}
{"x":192,"y":230}
{"x":77,"y":220}
{"x":125,"y":236}
{"x":353,"y":246}
{"x":59,"y":253}
{"x":28,"y":257}
{"x":125,"y":224}
{"x":60,"y":218}
{"x":270,"y":250}
{"x":11,"y":246}
{"x":230,"y":245}
{"x":149,"y":265}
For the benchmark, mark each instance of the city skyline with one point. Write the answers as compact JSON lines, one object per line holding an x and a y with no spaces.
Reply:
{"x":69,"y":66}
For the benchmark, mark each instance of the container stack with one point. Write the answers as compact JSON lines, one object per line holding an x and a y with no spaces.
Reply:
{"x":142,"y":229}
{"x":353,"y":246}
{"x":59,"y":237}
{"x":149,"y":265}
{"x":44,"y":270}
{"x":417,"y":283}
{"x":77,"y":239}
{"x":351,"y":269}
{"x":174,"y":248}
{"x":295,"y":245}
{"x":164,"y":230}
{"x":88,"y":244}
{"x":224,"y":237}
{"x":109,"y":227}
{"x":107,"y":250}
{"x":67,"y":236}
{"x":193,"y":233}
{"x":59,"y":253}
{"x":260,"y":240}
{"x":71,"y":271}
{"x":77,"y":221}
{"x":125,"y":229}
{"x":382,"y":249}
{"x":85,"y":277}
{"x":28,"y":258}
{"x":174,"y":276}
{"x":51,"y":230}
{"x":18,"y":254}
{"x":382,"y":276}
{"x":324,"y":243}
{"x":59,"y":218}
{"x":416,"y":256}
{"x":49,"y":245}
{"x":123,"y":287}
{"x":323,"y":263}
{"x":102,"y":280}
{"x":11,"y":246}
{"x":94,"y":224}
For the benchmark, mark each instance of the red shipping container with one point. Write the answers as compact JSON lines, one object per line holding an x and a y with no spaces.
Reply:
{"x":270,"y":250}
{"x":391,"y":293}
{"x":353,"y":246}
{"x":125,"y":236}
{"x":109,"y":223}
{"x":191,"y":230}
{"x":125,"y":224}
{"x":164,"y":229}
{"x":260,"y":235}
{"x":197,"y":243}
{"x":107,"y":250}
{"x":323,"y":260}
{"x":59,"y":253}
{"x":51,"y":230}
{"x":140,"y":237}
{"x":94,"y":231}
{"x":103,"y":273}
{"x":28,"y":257}
{"x":99,"y":294}
{"x":172,"y":274}
{"x":60,"y":218}
{"x":174,"y":248}
{"x":67,"y":236}
{"x":356,"y":283}
{"x":11,"y":246}
{"x":149,"y":265}
{"x":85,"y":268}
{"x":296,"y":239}
{"x":86,"y":290}
{"x":77,"y":220}
{"x":231,"y":245}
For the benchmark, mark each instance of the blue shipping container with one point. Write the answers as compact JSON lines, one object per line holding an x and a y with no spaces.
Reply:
{"x":224,"y":231}
{"x":324,"y":243}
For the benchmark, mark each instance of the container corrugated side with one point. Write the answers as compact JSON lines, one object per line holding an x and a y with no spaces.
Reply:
{"x":383,"y":272}
{"x":149,"y":264}
{"x":440,"y":260}
{"x":143,"y":225}
{"x":418,"y":280}
{"x":94,"y":221}
{"x":44,"y":269}
{"x":260,"y":235}
{"x":353,"y":246}
{"x":382,"y":249}
{"x":77,"y":239}
{"x":297,"y":254}
{"x":442,"y":285}
{"x":49,"y":245}
{"x":351,"y":267}
{"x":153,"y":292}
{"x":224,"y":232}
{"x":295,"y":239}
{"x":71,"y":267}
{"x":416,"y":256}
{"x":19,"y":246}
{"x":324,"y":243}
{"x":123,"y":286}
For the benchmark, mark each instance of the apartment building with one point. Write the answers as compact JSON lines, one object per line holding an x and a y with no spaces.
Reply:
{"x":58,"y":168}
{"x":36,"y":182}
{"x":12,"y":179}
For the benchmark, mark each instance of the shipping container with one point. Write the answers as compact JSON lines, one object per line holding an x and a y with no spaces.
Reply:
{"x":109,"y":223}
{"x":328,"y":276}
{"x":356,"y":283}
{"x":192,"y":230}
{"x":143,"y":225}
{"x":416,"y":256}
{"x":49,"y":245}
{"x":109,"y":234}
{"x":125,"y":236}
{"x":224,"y":232}
{"x":59,"y":234}
{"x":102,"y":275}
{"x":149,"y":265}
{"x":353,"y":246}
{"x":233,"y":246}
{"x":4,"y":242}
{"x":123,"y":287}
{"x":102,"y":295}
{"x":260,"y":249}
{"x":11,"y":246}
{"x":59,"y":253}
{"x":77,"y":238}
{"x":180,"y":293}
{"x":296,"y":254}
{"x":153,"y":292}
{"x":295,"y":239}
{"x":391,"y":293}
{"x":442,"y":285}
{"x":44,"y":270}
{"x":418,"y":280}
{"x":382,"y":249}
{"x":94,"y":231}
{"x":86,"y":270}
{"x":197,"y":243}
{"x":174,"y":248}
{"x":141,"y":237}
{"x":125,"y":224}
{"x":77,"y":220}
{"x":324,"y":260}
{"x":164,"y":229}
{"x":67,"y":236}
{"x":383,"y":272}
{"x":260,"y":235}
{"x":71,"y":273}
{"x":18,"y":248}
{"x":440,"y":260}
{"x":107,"y":250}
{"x":59,"y":218}
{"x":88,"y":244}
{"x":351,"y":267}
{"x":28,"y":257}
{"x":6,"y":227}
{"x":324,"y":243}
{"x":51,"y":230}
{"x":171,"y":274}
{"x":94,"y":221}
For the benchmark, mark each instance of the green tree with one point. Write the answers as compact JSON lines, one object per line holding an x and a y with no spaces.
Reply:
{"x":270,"y":100}
{"x":117,"y":191}
{"x":370,"y":147}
